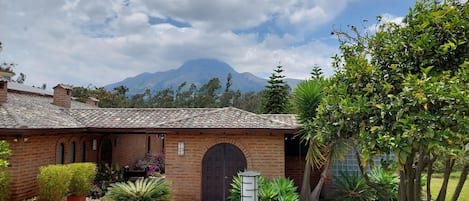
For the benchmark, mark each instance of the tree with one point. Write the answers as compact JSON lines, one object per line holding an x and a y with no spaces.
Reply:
{"x":163,"y":99}
{"x":207,"y":97}
{"x":316,"y":73}
{"x":227,"y":96}
{"x":113,"y":99}
{"x":185,"y":98}
{"x":306,"y":98}
{"x":249,"y":101}
{"x":275,"y":99}
{"x":404,"y":91}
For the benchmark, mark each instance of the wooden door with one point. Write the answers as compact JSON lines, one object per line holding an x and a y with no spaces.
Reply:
{"x":219,"y":165}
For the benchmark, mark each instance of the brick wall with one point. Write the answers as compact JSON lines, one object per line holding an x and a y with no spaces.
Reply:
{"x":62,"y":96}
{"x":3,"y":91}
{"x":264,"y":152}
{"x":40,"y":150}
{"x":128,"y":148}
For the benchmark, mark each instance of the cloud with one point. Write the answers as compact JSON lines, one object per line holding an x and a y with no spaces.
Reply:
{"x":99,"y":42}
{"x":386,"y":18}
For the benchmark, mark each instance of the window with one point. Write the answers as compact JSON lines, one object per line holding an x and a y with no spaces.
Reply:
{"x":148,"y":144}
{"x":83,"y":151}
{"x":72,"y":152}
{"x":61,"y":152}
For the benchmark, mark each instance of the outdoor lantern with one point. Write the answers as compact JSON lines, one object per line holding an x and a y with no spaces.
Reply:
{"x":95,"y":144}
{"x":181,"y":148}
{"x":249,"y":186}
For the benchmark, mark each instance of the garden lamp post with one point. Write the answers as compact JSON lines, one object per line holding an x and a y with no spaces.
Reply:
{"x":249,"y":186}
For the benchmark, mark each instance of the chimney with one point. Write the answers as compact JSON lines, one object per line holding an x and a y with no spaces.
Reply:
{"x":62,"y":95}
{"x":92,"y":101}
{"x":3,"y":91}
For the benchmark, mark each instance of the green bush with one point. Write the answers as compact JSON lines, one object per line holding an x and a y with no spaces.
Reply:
{"x":279,"y":189}
{"x":54,"y":181}
{"x":105,"y":176}
{"x":352,"y":187}
{"x":4,"y":186}
{"x":388,"y":180}
{"x":83,"y":175}
{"x":141,"y":190}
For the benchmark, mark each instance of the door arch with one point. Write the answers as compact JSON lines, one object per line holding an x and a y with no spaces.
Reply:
{"x":220,"y":163}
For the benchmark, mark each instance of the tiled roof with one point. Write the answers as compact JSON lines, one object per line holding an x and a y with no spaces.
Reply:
{"x":131,"y":117}
{"x":289,"y":119}
{"x":31,"y":111}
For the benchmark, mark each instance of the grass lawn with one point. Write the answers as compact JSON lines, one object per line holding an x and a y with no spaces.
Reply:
{"x":437,"y":180}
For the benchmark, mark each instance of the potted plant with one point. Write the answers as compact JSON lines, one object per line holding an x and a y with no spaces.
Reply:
{"x":53,"y":182}
{"x":83,"y":175}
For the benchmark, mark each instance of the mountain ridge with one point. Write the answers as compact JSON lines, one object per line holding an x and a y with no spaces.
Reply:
{"x":197,"y":71}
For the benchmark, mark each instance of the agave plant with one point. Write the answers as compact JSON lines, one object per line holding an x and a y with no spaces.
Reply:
{"x":280,"y":189}
{"x":141,"y":190}
{"x":352,"y":187}
{"x":388,"y":180}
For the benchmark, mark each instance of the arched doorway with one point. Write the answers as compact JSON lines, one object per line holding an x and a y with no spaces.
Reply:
{"x":106,"y":151}
{"x":220,"y":163}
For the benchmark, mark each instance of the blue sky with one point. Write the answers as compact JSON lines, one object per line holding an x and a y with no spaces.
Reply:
{"x":83,"y":42}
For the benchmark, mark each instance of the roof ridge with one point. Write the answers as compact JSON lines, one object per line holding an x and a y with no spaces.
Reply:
{"x":128,"y":108}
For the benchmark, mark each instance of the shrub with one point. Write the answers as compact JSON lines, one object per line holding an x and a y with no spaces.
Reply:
{"x":141,"y":190}
{"x":388,"y":180}
{"x":279,"y":189}
{"x":54,"y":181}
{"x":105,"y":176}
{"x":4,"y":186}
{"x":83,"y":175}
{"x":352,"y":187}
{"x":4,"y":176}
{"x":155,"y":163}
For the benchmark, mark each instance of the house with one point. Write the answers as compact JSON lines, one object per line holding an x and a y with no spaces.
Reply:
{"x":203,"y":147}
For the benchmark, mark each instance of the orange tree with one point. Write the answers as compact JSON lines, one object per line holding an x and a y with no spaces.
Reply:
{"x":404,"y":90}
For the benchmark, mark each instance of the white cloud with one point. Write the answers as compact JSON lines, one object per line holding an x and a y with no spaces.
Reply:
{"x":386,"y":18}
{"x":100,"y":42}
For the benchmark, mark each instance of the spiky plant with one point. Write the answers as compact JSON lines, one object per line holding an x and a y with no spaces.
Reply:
{"x":141,"y":190}
{"x":352,"y":187}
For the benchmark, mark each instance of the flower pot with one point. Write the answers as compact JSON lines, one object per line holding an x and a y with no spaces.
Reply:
{"x":76,"y":198}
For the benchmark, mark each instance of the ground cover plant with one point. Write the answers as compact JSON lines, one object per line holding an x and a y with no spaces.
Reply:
{"x":278,"y":189}
{"x":148,"y":189}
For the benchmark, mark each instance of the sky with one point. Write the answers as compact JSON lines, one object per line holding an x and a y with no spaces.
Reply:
{"x":99,"y":42}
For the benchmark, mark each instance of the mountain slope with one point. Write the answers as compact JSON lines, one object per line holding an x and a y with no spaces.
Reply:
{"x":199,"y":72}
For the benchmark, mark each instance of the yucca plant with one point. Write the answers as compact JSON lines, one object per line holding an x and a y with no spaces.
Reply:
{"x":352,"y":187}
{"x":141,"y":190}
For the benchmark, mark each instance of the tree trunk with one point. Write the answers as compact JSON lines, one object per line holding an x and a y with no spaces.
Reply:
{"x":317,"y":189}
{"x":407,"y":181}
{"x":461,"y":181}
{"x":444,"y":187}
{"x":375,"y":186}
{"x":306,"y":186}
{"x":428,"y":195}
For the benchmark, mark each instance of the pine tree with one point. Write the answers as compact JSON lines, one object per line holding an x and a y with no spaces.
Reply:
{"x":275,"y":99}
{"x":316,"y":73}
